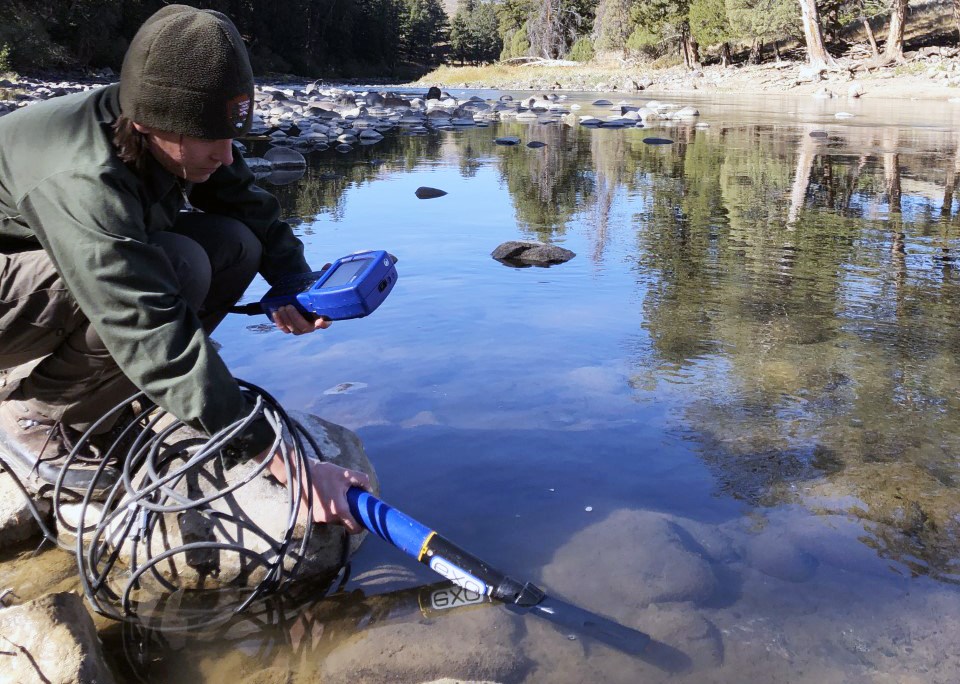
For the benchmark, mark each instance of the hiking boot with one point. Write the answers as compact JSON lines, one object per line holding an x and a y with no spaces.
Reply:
{"x":36,"y":448}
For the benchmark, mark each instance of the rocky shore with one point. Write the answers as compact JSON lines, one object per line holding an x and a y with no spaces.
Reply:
{"x":929,"y":73}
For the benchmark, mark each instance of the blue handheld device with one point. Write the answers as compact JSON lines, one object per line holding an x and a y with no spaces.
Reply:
{"x":352,"y":287}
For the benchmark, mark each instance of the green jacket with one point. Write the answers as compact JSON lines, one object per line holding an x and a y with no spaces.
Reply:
{"x":63,"y":188}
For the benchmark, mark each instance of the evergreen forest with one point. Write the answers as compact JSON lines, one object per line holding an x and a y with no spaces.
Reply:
{"x":406,"y":38}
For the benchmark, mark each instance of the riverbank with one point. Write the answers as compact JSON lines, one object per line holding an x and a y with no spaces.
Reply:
{"x":927,"y":74}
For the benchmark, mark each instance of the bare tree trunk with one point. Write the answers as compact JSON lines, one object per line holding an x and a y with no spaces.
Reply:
{"x":725,"y":53}
{"x":776,"y":51}
{"x":891,"y":174}
{"x":693,"y":51}
{"x":893,"y":50}
{"x":756,"y":51}
{"x":689,"y":49}
{"x":872,"y":38}
{"x":817,"y":53}
{"x":806,"y":154}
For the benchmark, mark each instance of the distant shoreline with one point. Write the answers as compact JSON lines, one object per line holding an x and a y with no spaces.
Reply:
{"x":925,"y":75}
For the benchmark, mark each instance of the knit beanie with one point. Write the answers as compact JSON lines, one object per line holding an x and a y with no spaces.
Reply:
{"x":187,"y":71}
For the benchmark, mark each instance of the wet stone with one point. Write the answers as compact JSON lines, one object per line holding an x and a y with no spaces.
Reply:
{"x":773,"y":554}
{"x":284,"y":158}
{"x":662,"y":565}
{"x":425,"y":192}
{"x":485,"y":649}
{"x":51,"y":639}
{"x":535,"y":144}
{"x":17,"y":524}
{"x":507,"y":140}
{"x":657,"y":141}
{"x":256,"y":512}
{"x":518,"y":252}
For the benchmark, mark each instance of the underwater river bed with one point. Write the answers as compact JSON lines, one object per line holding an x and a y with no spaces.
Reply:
{"x":731,"y":421}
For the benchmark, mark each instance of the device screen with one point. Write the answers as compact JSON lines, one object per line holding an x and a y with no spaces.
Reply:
{"x":345,"y":273}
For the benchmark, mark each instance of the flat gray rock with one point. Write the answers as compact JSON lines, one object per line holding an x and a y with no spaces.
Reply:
{"x":518,"y":252}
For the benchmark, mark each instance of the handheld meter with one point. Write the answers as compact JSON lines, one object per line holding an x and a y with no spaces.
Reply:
{"x":352,"y":287}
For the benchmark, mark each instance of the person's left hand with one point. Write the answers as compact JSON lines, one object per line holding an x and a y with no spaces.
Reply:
{"x":289,"y":319}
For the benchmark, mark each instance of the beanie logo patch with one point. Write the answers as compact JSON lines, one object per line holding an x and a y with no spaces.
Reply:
{"x":238,"y":109}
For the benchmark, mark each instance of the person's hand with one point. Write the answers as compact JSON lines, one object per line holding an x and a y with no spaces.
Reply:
{"x":328,"y":489}
{"x":289,"y":319}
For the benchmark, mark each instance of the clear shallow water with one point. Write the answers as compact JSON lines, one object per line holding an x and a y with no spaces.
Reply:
{"x":731,"y":421}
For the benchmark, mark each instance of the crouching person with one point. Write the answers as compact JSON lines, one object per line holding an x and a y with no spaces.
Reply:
{"x":108,"y":284}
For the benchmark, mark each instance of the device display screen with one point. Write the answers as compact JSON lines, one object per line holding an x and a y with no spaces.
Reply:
{"x":345,"y":273}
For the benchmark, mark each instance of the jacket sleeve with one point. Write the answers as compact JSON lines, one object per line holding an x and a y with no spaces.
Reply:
{"x":91,"y":223}
{"x":231,"y":191}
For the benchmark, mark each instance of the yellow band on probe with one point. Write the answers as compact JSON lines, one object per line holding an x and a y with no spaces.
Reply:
{"x":426,"y":543}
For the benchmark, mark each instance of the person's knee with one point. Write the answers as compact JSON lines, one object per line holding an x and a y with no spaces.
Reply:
{"x":243,"y":250}
{"x":190,"y":264}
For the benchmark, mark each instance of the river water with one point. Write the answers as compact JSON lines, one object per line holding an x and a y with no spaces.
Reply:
{"x":731,"y":421}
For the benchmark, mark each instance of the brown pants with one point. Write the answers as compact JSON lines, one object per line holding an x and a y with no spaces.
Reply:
{"x":76,"y":380}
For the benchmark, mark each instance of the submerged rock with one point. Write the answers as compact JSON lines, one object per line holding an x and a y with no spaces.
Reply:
{"x":51,"y":639}
{"x":668,"y":566}
{"x":517,"y":252}
{"x":507,"y":140}
{"x":657,"y":141}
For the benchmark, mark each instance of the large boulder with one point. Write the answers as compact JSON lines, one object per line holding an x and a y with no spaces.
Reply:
{"x":253,"y":517}
{"x":51,"y":640}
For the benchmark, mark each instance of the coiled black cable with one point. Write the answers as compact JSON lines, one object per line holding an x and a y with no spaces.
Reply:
{"x":135,"y":505}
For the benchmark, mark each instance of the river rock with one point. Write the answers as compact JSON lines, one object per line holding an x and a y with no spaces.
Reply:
{"x":686,"y":113}
{"x":284,"y":158}
{"x":429,"y":193}
{"x":531,"y":253}
{"x":17,"y":524}
{"x":774,"y":554}
{"x":473,"y":644}
{"x":256,"y":512}
{"x":51,"y":640}
{"x":648,"y":559}
{"x":507,"y":140}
